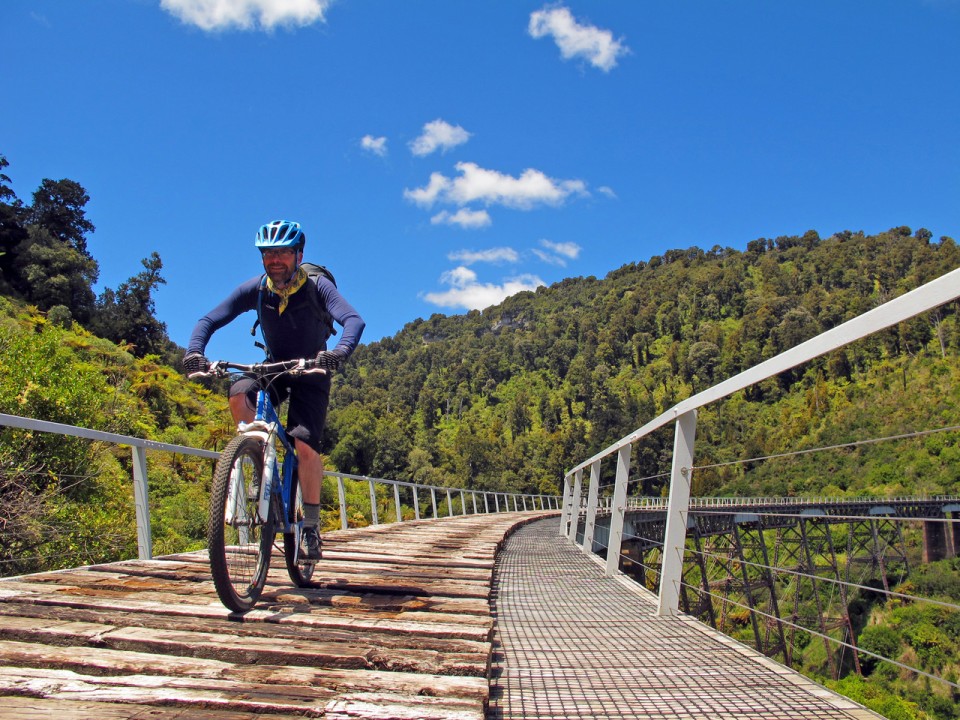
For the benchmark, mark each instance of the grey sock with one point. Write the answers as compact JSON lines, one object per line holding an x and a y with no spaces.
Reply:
{"x":311,"y":515}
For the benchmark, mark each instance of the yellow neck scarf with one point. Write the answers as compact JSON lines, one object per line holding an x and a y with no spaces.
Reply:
{"x":284,"y":293}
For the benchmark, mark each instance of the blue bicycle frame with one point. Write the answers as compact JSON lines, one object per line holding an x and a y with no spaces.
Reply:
{"x":267,"y":426}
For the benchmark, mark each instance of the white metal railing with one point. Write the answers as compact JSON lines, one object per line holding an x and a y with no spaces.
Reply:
{"x":490,"y":501}
{"x":640,"y":502}
{"x":139,"y":446}
{"x":684,"y":416}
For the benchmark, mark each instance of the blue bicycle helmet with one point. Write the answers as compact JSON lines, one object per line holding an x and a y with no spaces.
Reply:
{"x":280,"y":234}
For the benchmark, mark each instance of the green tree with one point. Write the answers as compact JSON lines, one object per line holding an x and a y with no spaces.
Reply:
{"x":126,"y":315}
{"x":51,"y":273}
{"x":50,"y":264}
{"x":12,"y":231}
{"x":58,"y":206}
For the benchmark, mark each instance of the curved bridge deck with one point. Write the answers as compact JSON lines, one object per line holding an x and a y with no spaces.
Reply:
{"x":403,"y":624}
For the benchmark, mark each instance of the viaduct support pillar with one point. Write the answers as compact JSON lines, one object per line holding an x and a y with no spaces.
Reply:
{"x":935,"y":541}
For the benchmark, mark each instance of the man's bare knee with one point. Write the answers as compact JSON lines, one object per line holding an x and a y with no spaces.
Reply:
{"x":241,"y":408}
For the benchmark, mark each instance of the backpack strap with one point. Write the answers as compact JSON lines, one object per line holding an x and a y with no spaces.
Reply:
{"x":256,"y":323}
{"x":314,"y":272}
{"x":323,"y":315}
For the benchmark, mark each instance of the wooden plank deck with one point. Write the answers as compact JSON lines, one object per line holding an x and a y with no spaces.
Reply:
{"x":399,"y":626}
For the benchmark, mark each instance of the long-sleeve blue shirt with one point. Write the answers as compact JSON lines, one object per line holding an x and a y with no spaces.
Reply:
{"x":297,"y":333}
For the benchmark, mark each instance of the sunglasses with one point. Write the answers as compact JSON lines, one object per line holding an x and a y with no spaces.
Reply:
{"x":280,"y":253}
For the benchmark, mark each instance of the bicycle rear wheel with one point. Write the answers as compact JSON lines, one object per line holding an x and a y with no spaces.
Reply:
{"x":239,"y":541}
{"x":300,"y":572}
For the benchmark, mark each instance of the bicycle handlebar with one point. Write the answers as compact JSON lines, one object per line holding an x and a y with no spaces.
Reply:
{"x":220,"y":368}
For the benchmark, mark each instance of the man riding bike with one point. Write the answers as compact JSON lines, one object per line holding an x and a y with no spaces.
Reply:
{"x":291,"y":330}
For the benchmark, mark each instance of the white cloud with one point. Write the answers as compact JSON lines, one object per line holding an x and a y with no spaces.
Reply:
{"x":466,"y":292}
{"x":438,"y":135}
{"x":376,"y":145}
{"x":575,"y":40}
{"x":608,"y":191}
{"x":464,"y":217}
{"x":493,"y":255}
{"x":247,"y":14}
{"x":476,"y":184}
{"x":567,"y":249}
{"x":558,"y":253}
{"x":459,"y":277}
{"x":427,"y":196}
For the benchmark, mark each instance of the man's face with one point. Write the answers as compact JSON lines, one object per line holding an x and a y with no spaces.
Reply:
{"x":280,"y":264}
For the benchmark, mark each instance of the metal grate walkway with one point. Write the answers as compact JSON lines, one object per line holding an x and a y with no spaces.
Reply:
{"x":572,"y":643}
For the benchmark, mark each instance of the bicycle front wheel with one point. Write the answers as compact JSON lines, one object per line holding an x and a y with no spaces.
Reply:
{"x":239,"y":541}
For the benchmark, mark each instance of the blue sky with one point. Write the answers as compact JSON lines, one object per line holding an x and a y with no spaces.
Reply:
{"x":442,"y":154}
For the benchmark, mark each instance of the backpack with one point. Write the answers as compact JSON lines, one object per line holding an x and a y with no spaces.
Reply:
{"x":323,"y":316}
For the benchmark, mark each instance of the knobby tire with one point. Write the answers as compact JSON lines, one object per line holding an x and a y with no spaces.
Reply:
{"x":239,"y":548}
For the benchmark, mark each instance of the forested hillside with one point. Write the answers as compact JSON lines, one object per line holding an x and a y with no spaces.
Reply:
{"x":510,"y":397}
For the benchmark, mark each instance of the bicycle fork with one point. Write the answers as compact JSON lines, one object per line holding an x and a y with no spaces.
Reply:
{"x":236,"y":510}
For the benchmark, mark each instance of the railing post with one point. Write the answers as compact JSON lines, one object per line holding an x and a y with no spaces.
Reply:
{"x":416,"y":502}
{"x":675,"y":535}
{"x":374,"y":514}
{"x":473,"y":494}
{"x":463,"y":503}
{"x":342,"y":496}
{"x":486,"y":503}
{"x":567,"y":504}
{"x":617,"y":510}
{"x":449,"y":505}
{"x":592,"y":493}
{"x":396,"y":502}
{"x":575,"y":502}
{"x":141,"y":497}
{"x":433,"y":499}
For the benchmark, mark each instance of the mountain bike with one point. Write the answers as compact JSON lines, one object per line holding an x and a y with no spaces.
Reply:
{"x":254,"y":495}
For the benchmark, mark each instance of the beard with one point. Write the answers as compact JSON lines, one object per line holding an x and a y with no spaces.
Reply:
{"x":279,"y":274}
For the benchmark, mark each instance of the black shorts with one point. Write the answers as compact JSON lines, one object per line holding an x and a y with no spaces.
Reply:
{"x":308,"y":396}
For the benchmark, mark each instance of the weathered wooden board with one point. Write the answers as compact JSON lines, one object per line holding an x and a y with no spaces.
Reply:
{"x":397,"y":627}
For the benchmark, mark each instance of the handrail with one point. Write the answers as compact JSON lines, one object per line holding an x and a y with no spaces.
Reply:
{"x":74,"y":431}
{"x":139,"y":446}
{"x":654,"y":503}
